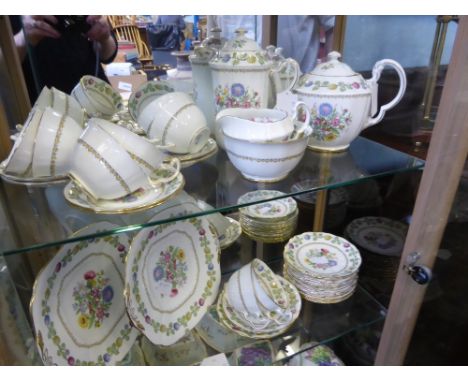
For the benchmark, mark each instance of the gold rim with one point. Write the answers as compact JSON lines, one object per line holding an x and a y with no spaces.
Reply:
{"x":128,"y":210}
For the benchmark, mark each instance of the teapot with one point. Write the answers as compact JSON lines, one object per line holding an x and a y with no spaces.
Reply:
{"x":341,"y":102}
{"x":243,"y":75}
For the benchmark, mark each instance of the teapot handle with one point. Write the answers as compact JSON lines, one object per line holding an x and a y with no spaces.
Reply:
{"x":376,"y":72}
{"x":297,"y":71}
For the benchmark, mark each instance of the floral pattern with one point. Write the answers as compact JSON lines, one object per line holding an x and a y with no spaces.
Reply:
{"x":322,"y":356}
{"x":338,"y":86}
{"x":92,"y":299}
{"x":327,"y":122}
{"x":149,"y":89}
{"x":171,"y":268}
{"x":314,"y":254}
{"x":255,"y":355}
{"x":104,"y":88}
{"x":236,"y":95}
{"x":46,"y":311}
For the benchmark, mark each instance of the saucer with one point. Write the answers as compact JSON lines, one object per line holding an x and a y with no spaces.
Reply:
{"x":186,"y":160}
{"x":274,"y":209}
{"x":145,"y":94}
{"x":231,"y":234}
{"x":124,"y":119}
{"x":140,"y":200}
{"x":77,"y":303}
{"x":31,"y":181}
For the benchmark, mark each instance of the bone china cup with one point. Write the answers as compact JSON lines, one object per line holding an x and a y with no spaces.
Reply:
{"x":103,"y":167}
{"x":56,"y":138}
{"x":148,"y":157}
{"x":178,"y":124}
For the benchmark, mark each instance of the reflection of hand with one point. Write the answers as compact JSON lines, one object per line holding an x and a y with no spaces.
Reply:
{"x":37,"y":27}
{"x":100,"y":28}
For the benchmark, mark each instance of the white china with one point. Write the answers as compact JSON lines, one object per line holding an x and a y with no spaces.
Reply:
{"x":341,"y":102}
{"x":72,"y":326}
{"x":97,"y":97}
{"x":207,"y":151}
{"x":145,"y":94}
{"x":44,"y":99}
{"x":242,"y":72}
{"x":259,"y":125}
{"x":144,"y":153}
{"x":216,"y":335}
{"x":378,"y":235}
{"x":139,"y":200}
{"x":56,"y":138}
{"x":172,"y":277}
{"x":19,"y":160}
{"x":265,"y":161}
{"x":177,"y":124}
{"x":273,"y":209}
{"x":202,"y":83}
{"x":67,"y":105}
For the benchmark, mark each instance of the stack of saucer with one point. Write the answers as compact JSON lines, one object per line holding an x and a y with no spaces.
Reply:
{"x":380,"y":241}
{"x":269,"y":222}
{"x":323,"y":267}
{"x":256,"y":303}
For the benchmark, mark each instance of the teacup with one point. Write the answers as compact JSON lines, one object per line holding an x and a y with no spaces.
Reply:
{"x":20,"y":157}
{"x":148,"y":157}
{"x":104,"y":169}
{"x":56,"y":138}
{"x":176,"y":123}
{"x":65,"y":104}
{"x":97,"y":97}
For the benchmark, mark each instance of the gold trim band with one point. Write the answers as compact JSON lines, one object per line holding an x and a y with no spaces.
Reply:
{"x":116,"y":175}
{"x":58,"y":135}
{"x":265,"y":160}
{"x":173,"y":117}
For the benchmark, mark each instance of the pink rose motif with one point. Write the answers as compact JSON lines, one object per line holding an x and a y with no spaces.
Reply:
{"x":89,"y":275}
{"x":355,"y":85}
{"x":174,"y":292}
{"x":121,"y":247}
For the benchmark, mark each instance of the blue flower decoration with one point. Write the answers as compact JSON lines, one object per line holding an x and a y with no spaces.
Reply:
{"x":107,"y":293}
{"x":237,"y":90}
{"x":158,"y":273}
{"x":325,"y":109}
{"x":226,"y":58}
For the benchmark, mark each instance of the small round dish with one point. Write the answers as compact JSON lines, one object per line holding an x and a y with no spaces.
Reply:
{"x":275,"y":209}
{"x":378,"y":235}
{"x":186,"y":160}
{"x":231,"y":234}
{"x":145,"y":94}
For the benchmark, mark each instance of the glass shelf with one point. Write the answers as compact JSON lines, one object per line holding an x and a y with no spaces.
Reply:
{"x":214,"y":180}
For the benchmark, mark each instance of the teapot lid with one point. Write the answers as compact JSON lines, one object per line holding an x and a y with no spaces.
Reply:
{"x":241,"y":43}
{"x":332,"y":67}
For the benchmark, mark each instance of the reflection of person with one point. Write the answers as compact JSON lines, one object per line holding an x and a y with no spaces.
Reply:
{"x":176,"y":20}
{"x":60,"y":59}
{"x":299,"y":36}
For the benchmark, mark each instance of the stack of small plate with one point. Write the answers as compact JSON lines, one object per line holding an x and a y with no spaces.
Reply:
{"x":269,"y":222}
{"x":380,"y":241}
{"x":323,"y":267}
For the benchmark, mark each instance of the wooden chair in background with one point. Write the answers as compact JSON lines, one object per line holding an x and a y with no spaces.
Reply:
{"x":131,"y":32}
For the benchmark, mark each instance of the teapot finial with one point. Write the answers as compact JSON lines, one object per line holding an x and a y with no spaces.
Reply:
{"x":333,"y":56}
{"x":241,"y":32}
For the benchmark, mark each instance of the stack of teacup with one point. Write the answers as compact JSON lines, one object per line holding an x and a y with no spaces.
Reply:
{"x":257,"y":303}
{"x":174,"y":123}
{"x":110,"y":162}
{"x":322,"y":266}
{"x":45,"y":141}
{"x":273,"y":221}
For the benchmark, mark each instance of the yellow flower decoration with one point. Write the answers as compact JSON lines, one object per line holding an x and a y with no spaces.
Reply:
{"x":181,"y":255}
{"x":83,"y":321}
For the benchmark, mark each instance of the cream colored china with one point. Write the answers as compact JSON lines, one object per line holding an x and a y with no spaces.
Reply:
{"x":67,"y":105}
{"x":341,"y":102}
{"x":97,"y":97}
{"x":19,"y":160}
{"x":56,"y":137}
{"x":145,"y":154}
{"x":44,"y":99}
{"x":259,"y":125}
{"x":265,"y":161}
{"x":146,"y":93}
{"x":178,"y":124}
{"x":241,"y":74}
{"x":103,"y":167}
{"x":202,"y":82}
